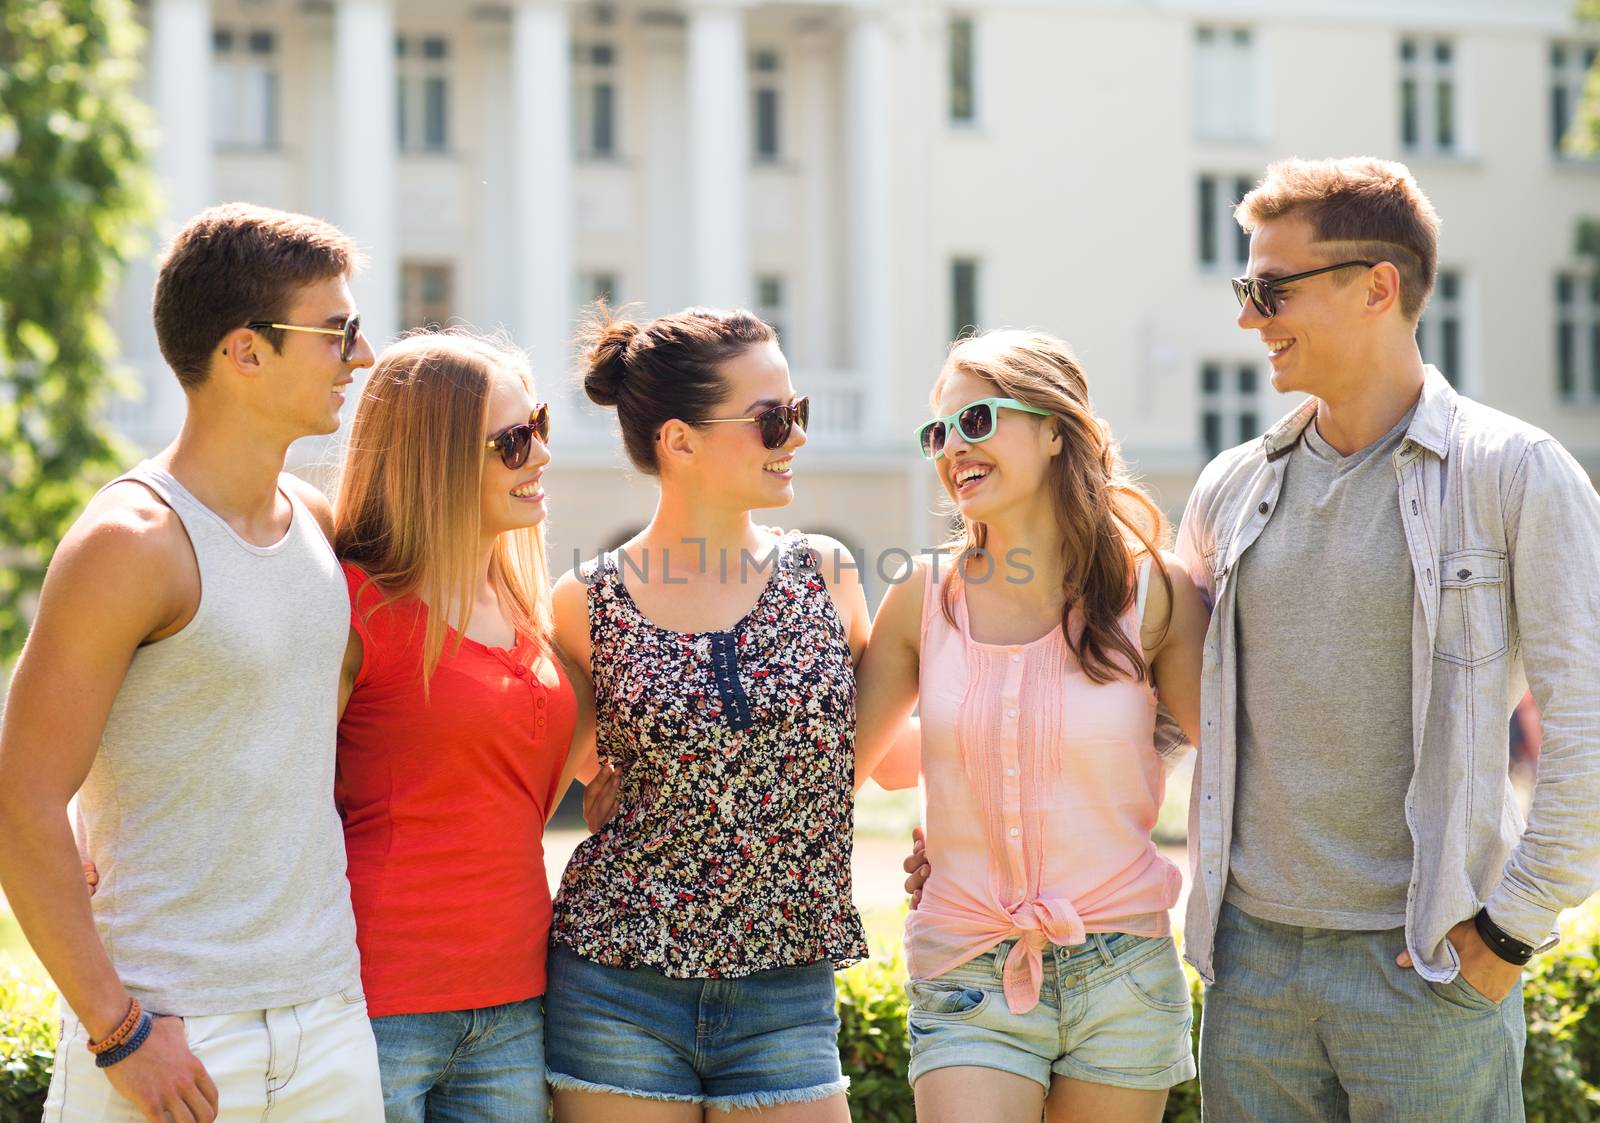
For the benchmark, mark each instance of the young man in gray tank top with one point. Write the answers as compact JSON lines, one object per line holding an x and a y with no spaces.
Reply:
{"x":181,"y":679}
{"x":1390,"y":567}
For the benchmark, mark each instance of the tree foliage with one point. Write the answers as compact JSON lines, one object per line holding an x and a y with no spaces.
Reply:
{"x":75,"y":197}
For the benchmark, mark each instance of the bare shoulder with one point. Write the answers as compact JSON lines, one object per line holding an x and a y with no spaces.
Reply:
{"x":900,"y":613}
{"x":1169,"y":604}
{"x":835,"y":562}
{"x":127,"y":561}
{"x":311,"y":495}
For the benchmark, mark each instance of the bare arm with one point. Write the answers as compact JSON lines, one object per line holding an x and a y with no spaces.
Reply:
{"x":886,"y":686}
{"x":123,"y":576}
{"x":1176,"y":626}
{"x":839,"y":572}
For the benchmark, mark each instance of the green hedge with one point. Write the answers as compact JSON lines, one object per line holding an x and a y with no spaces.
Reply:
{"x":27,"y":1043}
{"x":1560,"y":1073}
{"x":1559,"y":1077}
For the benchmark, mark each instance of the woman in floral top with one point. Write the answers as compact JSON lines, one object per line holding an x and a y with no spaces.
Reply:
{"x":695,"y":935}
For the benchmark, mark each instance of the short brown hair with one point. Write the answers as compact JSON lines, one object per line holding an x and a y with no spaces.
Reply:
{"x":1373,"y":205}
{"x":235,"y":264}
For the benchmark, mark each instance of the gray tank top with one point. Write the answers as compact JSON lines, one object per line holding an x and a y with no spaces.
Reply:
{"x":209,"y":808}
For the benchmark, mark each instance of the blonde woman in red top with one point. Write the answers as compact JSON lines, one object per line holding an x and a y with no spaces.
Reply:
{"x":457,"y":721}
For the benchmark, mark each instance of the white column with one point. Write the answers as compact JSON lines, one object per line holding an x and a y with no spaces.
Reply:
{"x":668,"y":282}
{"x":180,"y":65}
{"x":493,"y":289}
{"x":821,"y":123}
{"x":364,"y":91}
{"x":719,"y":156}
{"x":541,"y":145}
{"x":868,"y":84}
{"x":180,"y":97}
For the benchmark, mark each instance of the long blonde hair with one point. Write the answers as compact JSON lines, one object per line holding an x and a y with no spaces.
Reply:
{"x":1107,"y":520}
{"x":408,"y":511}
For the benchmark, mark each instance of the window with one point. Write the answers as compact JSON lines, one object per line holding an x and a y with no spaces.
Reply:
{"x":426,"y":293}
{"x":963,"y":297}
{"x":1223,"y":243}
{"x":422,"y":76}
{"x":769,"y":301}
{"x":766,"y":67}
{"x":1578,"y":337}
{"x":1439,"y":335}
{"x":1230,"y":405}
{"x":1227,"y":85}
{"x":963,"y":71}
{"x":595,"y":101}
{"x":244,"y":88}
{"x":1570,"y":65}
{"x":1428,"y":96}
{"x":598,"y":284}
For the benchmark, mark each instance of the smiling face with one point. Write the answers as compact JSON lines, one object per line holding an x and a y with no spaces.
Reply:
{"x":732,"y":459}
{"x":1011,"y":467}
{"x":302,"y":386}
{"x":1315,"y":341}
{"x":511,"y":498}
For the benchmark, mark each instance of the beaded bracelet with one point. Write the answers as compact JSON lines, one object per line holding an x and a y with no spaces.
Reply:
{"x":120,"y":1034}
{"x":129,"y":1047}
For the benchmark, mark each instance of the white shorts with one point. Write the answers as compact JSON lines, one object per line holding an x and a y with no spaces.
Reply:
{"x":306,"y":1064}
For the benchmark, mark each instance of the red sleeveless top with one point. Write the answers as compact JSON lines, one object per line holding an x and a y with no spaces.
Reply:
{"x":444,"y":804}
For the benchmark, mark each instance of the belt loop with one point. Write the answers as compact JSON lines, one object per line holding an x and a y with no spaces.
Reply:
{"x":1104,"y":945}
{"x":1001,"y":953}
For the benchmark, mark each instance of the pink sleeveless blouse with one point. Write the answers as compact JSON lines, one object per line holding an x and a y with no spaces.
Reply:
{"x":1040,"y":790}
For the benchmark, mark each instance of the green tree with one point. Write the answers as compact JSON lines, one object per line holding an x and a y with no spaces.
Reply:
{"x":75,"y":197}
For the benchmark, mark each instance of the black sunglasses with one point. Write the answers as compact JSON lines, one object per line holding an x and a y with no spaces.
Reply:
{"x":347,"y":334}
{"x":515,"y":443}
{"x":776,"y":423}
{"x":1264,"y":293}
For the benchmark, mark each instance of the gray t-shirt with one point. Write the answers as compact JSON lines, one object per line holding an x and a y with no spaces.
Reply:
{"x":1325,"y":599}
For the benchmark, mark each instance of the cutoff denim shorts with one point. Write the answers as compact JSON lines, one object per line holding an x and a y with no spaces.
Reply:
{"x":764,"y":1039}
{"x":1113,"y":1010}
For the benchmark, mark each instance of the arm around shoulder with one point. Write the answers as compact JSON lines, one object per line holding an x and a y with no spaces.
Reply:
{"x":887,"y":747}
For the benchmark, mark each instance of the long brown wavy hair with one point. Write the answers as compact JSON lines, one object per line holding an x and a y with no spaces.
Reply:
{"x":1108,"y":522}
{"x":408,"y":511}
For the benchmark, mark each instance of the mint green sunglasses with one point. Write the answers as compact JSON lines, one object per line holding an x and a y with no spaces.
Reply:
{"x":975,"y":421}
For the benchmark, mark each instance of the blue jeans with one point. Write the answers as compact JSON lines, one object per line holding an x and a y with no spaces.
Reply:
{"x":765,"y":1039}
{"x":464,"y":1066}
{"x":1314,"y":1024}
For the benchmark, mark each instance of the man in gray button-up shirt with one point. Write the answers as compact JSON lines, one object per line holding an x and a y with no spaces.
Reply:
{"x":1403,"y":1000}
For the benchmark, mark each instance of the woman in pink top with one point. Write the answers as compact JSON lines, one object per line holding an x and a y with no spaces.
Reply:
{"x":1043,"y":972}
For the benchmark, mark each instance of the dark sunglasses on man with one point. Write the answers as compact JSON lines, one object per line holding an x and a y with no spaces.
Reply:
{"x":776,"y":423}
{"x":347,"y":334}
{"x":515,"y":443}
{"x":1263,"y":293}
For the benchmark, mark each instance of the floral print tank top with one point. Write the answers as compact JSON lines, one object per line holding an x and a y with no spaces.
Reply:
{"x":729,"y":852}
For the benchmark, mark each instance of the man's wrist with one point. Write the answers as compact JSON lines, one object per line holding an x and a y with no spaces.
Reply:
{"x":1500,"y":942}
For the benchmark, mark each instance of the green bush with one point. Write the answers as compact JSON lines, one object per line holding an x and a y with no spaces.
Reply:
{"x":27,"y":1044}
{"x":874,"y":1044}
{"x":1560,"y":1075}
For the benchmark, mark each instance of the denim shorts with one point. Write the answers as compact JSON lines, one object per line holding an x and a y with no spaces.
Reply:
{"x":463,"y":1066}
{"x":1113,"y":1010}
{"x":764,"y":1039}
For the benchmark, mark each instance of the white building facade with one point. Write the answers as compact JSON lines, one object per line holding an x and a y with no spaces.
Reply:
{"x":873,"y":177}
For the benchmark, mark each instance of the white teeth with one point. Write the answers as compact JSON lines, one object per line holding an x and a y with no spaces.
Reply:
{"x":526,"y":491}
{"x":779,"y":465}
{"x":1277,"y":346}
{"x":971,"y":473}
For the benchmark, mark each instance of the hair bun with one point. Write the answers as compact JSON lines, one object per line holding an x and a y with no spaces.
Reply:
{"x":608,"y":341}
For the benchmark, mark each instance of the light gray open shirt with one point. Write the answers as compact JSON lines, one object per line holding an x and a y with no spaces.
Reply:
{"x":1503,"y":531}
